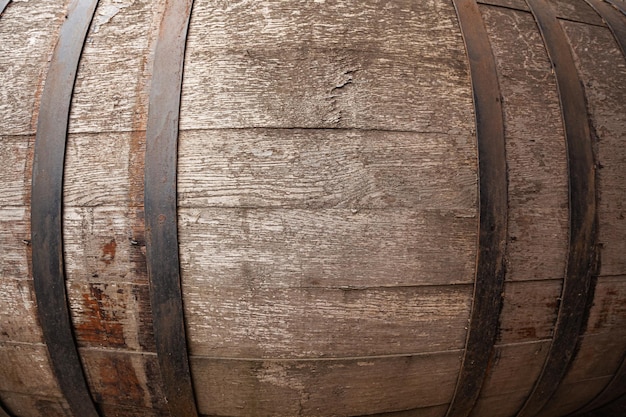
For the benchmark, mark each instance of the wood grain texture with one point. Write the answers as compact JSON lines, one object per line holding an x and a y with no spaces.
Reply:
{"x":435,"y":411}
{"x":27,"y":37}
{"x":102,"y":244}
{"x":571,"y":397}
{"x":115,"y":69}
{"x":512,"y":374}
{"x":529,"y":311}
{"x":536,"y":159}
{"x":15,"y":243}
{"x":320,"y":387}
{"x":26,"y":369}
{"x":34,"y":406}
{"x":602,"y":73}
{"x":15,"y":152}
{"x":317,"y":322}
{"x":111,"y":315}
{"x":575,"y":10}
{"x":18,"y":312}
{"x":608,"y":313}
{"x":124,"y":378}
{"x":308,"y":168}
{"x":326,"y":248}
{"x":337,"y":66}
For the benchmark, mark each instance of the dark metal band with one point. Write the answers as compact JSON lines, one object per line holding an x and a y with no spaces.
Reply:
{"x":46,"y":209}
{"x":160,"y":209}
{"x":613,"y":391}
{"x":614,"y":19}
{"x":620,"y":5}
{"x":581,"y":261}
{"x":3,"y":412}
{"x":490,"y":272}
{"x":3,"y":5}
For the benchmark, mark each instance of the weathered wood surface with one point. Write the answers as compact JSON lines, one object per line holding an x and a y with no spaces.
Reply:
{"x":288,"y":64}
{"x":536,"y":159}
{"x":318,"y":322}
{"x":575,"y":10}
{"x":27,"y":37}
{"x":311,"y":168}
{"x":321,"y":387}
{"x":603,"y":73}
{"x":335,"y":248}
{"x":327,"y":192}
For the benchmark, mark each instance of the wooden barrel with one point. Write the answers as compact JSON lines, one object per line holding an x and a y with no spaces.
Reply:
{"x":312,"y":208}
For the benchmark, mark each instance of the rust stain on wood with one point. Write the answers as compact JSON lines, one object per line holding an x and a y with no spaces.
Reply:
{"x":108,"y":252}
{"x":102,"y":325}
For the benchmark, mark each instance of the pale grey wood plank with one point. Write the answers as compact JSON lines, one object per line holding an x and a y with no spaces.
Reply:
{"x":15,"y":159}
{"x":319,"y":322}
{"x":18,"y":312}
{"x":296,"y":64}
{"x":273,"y":248}
{"x":111,"y":91}
{"x":26,"y":370}
{"x":326,"y":168}
{"x":28,"y":34}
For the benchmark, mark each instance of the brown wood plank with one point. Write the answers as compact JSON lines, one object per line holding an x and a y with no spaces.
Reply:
{"x":529,"y":311}
{"x":605,"y":91}
{"x":27,"y":36}
{"x":435,"y":411}
{"x":499,"y":405}
{"x":308,"y":168}
{"x":18,"y":312}
{"x":111,"y":93}
{"x":338,"y":68}
{"x":15,"y":241}
{"x":614,"y":20}
{"x":582,"y":253}
{"x":575,"y":10}
{"x":14,"y":158}
{"x":103,"y":245}
{"x":608,"y":313}
{"x":326,"y":248}
{"x":124,"y":378}
{"x":571,"y":396}
{"x":536,"y":155}
{"x":111,"y":315}
{"x":319,"y":322}
{"x":34,"y":406}
{"x":27,"y":370}
{"x":598,"y":355}
{"x":320,"y":387}
{"x":619,"y":4}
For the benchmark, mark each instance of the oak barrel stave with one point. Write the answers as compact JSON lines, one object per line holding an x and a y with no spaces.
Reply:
{"x":327,"y":208}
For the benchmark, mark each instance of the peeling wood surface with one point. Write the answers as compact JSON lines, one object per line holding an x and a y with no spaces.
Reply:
{"x":296,"y":64}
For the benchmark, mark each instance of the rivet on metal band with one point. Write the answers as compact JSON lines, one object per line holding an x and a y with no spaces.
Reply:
{"x":46,"y":209}
{"x":490,"y":272}
{"x":614,"y":19}
{"x":581,"y":261}
{"x":160,"y":209}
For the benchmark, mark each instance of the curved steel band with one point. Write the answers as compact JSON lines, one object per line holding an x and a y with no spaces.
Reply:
{"x":3,"y":5}
{"x":619,"y":4}
{"x":581,"y":261}
{"x":160,"y":209}
{"x":614,"y":19}
{"x":490,"y":273}
{"x":617,"y":24}
{"x":46,"y":209}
